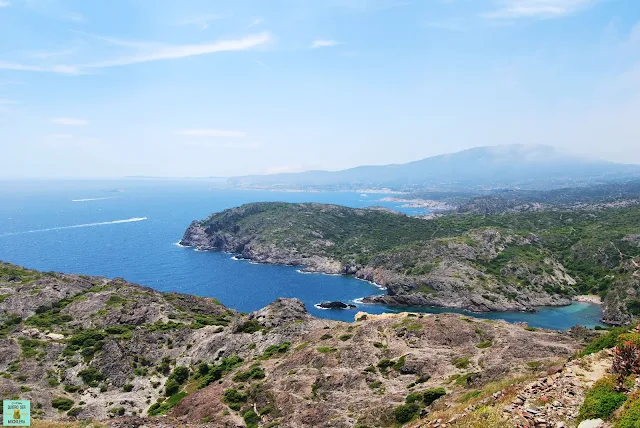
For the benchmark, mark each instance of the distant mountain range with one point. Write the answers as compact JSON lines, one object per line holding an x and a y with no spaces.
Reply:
{"x":525,"y":166}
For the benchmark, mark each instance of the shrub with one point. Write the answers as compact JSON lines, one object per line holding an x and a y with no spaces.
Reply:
{"x":385,"y":363}
{"x":215,"y":373}
{"x":462,"y":362}
{"x":275,"y":349}
{"x":345,"y":337}
{"x":601,"y":400}
{"x":626,"y":362}
{"x":250,"y":326}
{"x":431,"y":395}
{"x":163,"y":407}
{"x":127,"y":387}
{"x":630,"y":414}
{"x":62,"y":403}
{"x":326,"y":349}
{"x":171,"y":387}
{"x":255,"y":372}
{"x":180,"y":374}
{"x":234,"y":399}
{"x":406,"y":412}
{"x":375,"y":384}
{"x":91,"y":376}
{"x":605,"y":341}
{"x":71,"y":388}
{"x":484,"y":344}
{"x":251,"y":419}
{"x":325,"y":336}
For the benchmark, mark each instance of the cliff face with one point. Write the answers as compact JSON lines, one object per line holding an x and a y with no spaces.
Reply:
{"x":94,"y":348}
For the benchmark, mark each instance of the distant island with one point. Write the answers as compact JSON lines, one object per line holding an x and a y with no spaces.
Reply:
{"x":501,"y":262}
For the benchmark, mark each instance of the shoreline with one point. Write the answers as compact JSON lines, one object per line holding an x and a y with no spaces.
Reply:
{"x":588,"y":298}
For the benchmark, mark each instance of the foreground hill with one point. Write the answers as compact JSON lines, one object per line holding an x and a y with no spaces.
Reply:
{"x":481,"y":263}
{"x":93,"y":348}
{"x":530,"y":166}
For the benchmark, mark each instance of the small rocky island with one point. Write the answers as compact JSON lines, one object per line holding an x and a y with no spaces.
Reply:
{"x":335,"y":305}
{"x":510,"y":262}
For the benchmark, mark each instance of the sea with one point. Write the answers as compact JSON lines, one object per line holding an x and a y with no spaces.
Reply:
{"x":131,"y":229}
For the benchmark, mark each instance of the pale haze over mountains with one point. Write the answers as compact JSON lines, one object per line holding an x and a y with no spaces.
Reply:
{"x":527,"y":166}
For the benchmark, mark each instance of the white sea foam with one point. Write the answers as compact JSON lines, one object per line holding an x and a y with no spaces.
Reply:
{"x":382,"y":287}
{"x":94,"y":199}
{"x":317,"y":305}
{"x":178,"y":244}
{"x":304,"y":272}
{"x":76,"y":226}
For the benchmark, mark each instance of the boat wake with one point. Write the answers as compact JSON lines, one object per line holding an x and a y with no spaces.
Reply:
{"x":94,"y":199}
{"x":76,"y":226}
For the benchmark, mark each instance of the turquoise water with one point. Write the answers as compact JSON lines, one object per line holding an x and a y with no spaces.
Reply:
{"x":87,"y":227}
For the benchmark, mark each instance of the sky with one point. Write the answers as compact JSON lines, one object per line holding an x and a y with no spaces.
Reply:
{"x":192,"y":88}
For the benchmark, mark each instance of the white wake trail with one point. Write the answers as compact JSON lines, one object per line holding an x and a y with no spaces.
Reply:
{"x":76,"y":226}
{"x":93,"y":199}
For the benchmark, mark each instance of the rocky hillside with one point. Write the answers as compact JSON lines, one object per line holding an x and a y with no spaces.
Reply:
{"x":482,"y":263}
{"x":93,"y":348}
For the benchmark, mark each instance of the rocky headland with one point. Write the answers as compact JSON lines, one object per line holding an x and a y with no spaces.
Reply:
{"x":478,"y":263}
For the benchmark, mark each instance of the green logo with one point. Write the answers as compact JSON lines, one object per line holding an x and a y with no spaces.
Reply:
{"x":16,"y":413}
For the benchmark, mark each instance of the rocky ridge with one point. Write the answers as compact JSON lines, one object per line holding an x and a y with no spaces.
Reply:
{"x":92,"y":348}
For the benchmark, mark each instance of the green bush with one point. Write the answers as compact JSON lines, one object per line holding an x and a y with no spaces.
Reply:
{"x":255,"y":372}
{"x":250,"y":326}
{"x":234,"y":399}
{"x":216,"y":372}
{"x":484,"y":344}
{"x":431,"y":395}
{"x":345,"y":337}
{"x":601,"y":400}
{"x":462,"y":362}
{"x":251,"y":419}
{"x":74,"y":412}
{"x":406,"y":412}
{"x":163,"y":407}
{"x":171,"y":387}
{"x":127,"y":387}
{"x":605,"y":341}
{"x":62,"y":403}
{"x":630,"y":414}
{"x":91,"y":376}
{"x":326,"y":349}
{"x":180,"y":374}
{"x":275,"y":349}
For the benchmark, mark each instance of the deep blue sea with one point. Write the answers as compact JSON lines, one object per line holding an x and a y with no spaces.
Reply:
{"x":130,"y":229}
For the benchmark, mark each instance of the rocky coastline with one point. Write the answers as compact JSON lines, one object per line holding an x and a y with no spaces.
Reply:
{"x":397,"y":286}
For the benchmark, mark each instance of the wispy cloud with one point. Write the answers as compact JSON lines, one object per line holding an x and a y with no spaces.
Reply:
{"x":51,"y":54}
{"x":324,"y":43}
{"x":4,"y":3}
{"x":211,"y":133}
{"x":5,"y":101}
{"x":256,"y":21}
{"x":69,"y":121}
{"x":147,"y":52}
{"x":540,"y":9}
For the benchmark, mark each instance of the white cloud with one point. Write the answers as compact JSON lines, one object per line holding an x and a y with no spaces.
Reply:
{"x":147,"y":52}
{"x":166,"y":52}
{"x":211,"y":133}
{"x":542,"y":9}
{"x":324,"y":43}
{"x":69,"y":121}
{"x":4,"y":3}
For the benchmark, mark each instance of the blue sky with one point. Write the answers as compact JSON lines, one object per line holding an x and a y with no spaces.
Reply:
{"x":107,"y":88}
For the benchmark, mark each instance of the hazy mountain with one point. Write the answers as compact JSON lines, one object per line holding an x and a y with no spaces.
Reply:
{"x":531,"y":166}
